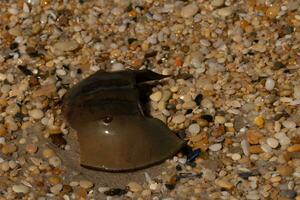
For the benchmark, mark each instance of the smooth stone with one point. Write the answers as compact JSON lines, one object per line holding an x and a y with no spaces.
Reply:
{"x":55,"y":161}
{"x":270,"y":84}
{"x":86,"y":184}
{"x":225,"y":12}
{"x":219,"y":119}
{"x":236,"y":156}
{"x":179,"y":118}
{"x":272,"y":142}
{"x":12,"y":109}
{"x":217,"y":3}
{"x":20,"y":189}
{"x":194,"y":128}
{"x":117,"y":67}
{"x":156,"y":96}
{"x":36,"y":114}
{"x":224,"y":184}
{"x":56,"y":188}
{"x":189,"y":11}
{"x":289,"y":124}
{"x":215,"y":147}
{"x":134,"y":186}
{"x":66,"y":45}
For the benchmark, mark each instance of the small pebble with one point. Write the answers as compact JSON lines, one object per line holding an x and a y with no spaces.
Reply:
{"x":272,"y":142}
{"x":31,"y":148}
{"x":289,"y":124}
{"x":224,"y":184}
{"x":86,"y":184}
{"x":117,"y":67}
{"x":179,"y":118}
{"x":56,"y":188}
{"x":225,"y":12}
{"x":217,"y":3}
{"x":156,"y":96}
{"x":134,"y":187}
{"x":219,"y":119}
{"x":47,"y":153}
{"x":189,"y":11}
{"x":20,"y":189}
{"x":259,"y":121}
{"x":36,"y":114}
{"x":9,"y":148}
{"x":236,"y":156}
{"x":215,"y":147}
{"x":55,"y":161}
{"x":294,"y":148}
{"x":270,"y":84}
{"x":194,"y":128}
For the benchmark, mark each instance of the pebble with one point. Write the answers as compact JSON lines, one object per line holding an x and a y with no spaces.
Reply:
{"x":55,"y":161}
{"x":253,"y":136}
{"x":31,"y":148}
{"x":270,"y":84}
{"x":9,"y":148}
{"x":36,"y":114}
{"x":66,"y":45}
{"x":156,"y":96}
{"x":189,"y":10}
{"x":272,"y":142}
{"x":56,"y":188}
{"x":179,"y":118}
{"x":236,"y":156}
{"x":134,"y":187}
{"x":86,"y":184}
{"x":194,"y":128}
{"x":47,"y":153}
{"x":224,"y":184}
{"x":215,"y":147}
{"x":294,"y":148}
{"x":117,"y":67}
{"x":219,"y":119}
{"x":297,"y":91}
{"x":20,"y":189}
{"x":12,"y":109}
{"x":217,"y":3}
{"x":259,"y":121}
{"x":285,"y":170}
{"x":225,"y":12}
{"x":289,"y":124}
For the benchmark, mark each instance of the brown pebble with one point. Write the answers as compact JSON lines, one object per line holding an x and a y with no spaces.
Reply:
{"x":224,"y":184}
{"x":9,"y":148}
{"x":218,"y":131}
{"x":31,"y":148}
{"x":294,"y":148}
{"x":285,"y":170}
{"x":47,"y":153}
{"x":80,"y":193}
{"x":66,"y":189}
{"x":253,"y":136}
{"x":255,"y":149}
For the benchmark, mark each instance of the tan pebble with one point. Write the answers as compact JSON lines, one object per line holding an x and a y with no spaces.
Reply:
{"x":4,"y":166}
{"x":86,"y":184}
{"x":298,"y":197}
{"x":285,"y":170}
{"x":253,"y":136}
{"x":9,"y":148}
{"x":47,"y":153}
{"x":146,"y":193}
{"x":156,"y":96}
{"x":56,"y":188}
{"x":31,"y":148}
{"x":276,"y":179}
{"x":219,"y":119}
{"x":54,"y":180}
{"x":224,"y":184}
{"x":66,"y":189}
{"x":255,"y":149}
{"x":294,"y":148}
{"x":134,"y":187}
{"x":36,"y":113}
{"x":259,"y":121}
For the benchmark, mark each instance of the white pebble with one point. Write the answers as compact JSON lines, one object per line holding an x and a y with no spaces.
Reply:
{"x":270,"y":84}
{"x":266,"y":148}
{"x":272,"y":142}
{"x":236,"y":156}
{"x":194,"y":128}
{"x":86,"y":184}
{"x":215,"y":147}
{"x":156,"y":96}
{"x":289,"y":124}
{"x":20,"y":189}
{"x":177,"y":119}
{"x":245,"y":147}
{"x":189,"y":10}
{"x":36,"y":113}
{"x":117,"y":67}
{"x":153,"y":186}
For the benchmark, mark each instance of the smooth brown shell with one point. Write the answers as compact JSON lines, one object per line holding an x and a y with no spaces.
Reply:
{"x":114,"y":134}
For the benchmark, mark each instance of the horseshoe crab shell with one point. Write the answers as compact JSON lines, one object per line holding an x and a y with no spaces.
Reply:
{"x":113,"y":132}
